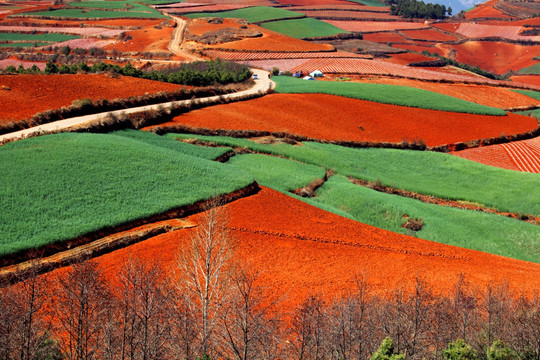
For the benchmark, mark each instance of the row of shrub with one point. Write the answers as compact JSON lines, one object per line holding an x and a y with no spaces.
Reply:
{"x":199,"y":73}
{"x":418,"y":9}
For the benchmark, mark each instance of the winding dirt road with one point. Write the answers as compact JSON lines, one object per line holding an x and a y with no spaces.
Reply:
{"x":262,"y":84}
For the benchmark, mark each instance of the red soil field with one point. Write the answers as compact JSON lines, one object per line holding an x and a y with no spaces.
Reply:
{"x":447,"y":26}
{"x":16,"y":62}
{"x":531,"y":21}
{"x":301,"y":250}
{"x":30,"y":94}
{"x":429,"y":34}
{"x":520,"y":155}
{"x":486,"y":10}
{"x":527,"y":79}
{"x":419,"y":47}
{"x":336,"y":118}
{"x":498,"y":57}
{"x":349,"y":15}
{"x":481,"y":94}
{"x":349,"y":6}
{"x":237,"y":55}
{"x":385,"y":37}
{"x":407,"y":58}
{"x":148,"y":39}
{"x":205,"y":8}
{"x":111,"y":23}
{"x":374,"y":26}
{"x":200,"y":26}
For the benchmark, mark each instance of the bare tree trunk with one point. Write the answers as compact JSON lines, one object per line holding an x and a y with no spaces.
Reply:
{"x":204,"y":264}
{"x":309,"y":330}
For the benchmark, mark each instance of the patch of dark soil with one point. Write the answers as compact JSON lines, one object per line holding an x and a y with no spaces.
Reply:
{"x":311,"y":189}
{"x":412,"y":224}
{"x":359,"y":46}
{"x":223,"y":36}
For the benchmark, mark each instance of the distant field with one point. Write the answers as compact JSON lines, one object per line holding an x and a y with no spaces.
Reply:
{"x":469,"y":229}
{"x":115,"y":5}
{"x":93,"y":14}
{"x":303,"y":28}
{"x":370,"y":2}
{"x":252,"y":14}
{"x":428,"y":173}
{"x":277,"y":173}
{"x":78,"y":183}
{"x":25,"y":37}
{"x":25,"y":44}
{"x":386,"y":94}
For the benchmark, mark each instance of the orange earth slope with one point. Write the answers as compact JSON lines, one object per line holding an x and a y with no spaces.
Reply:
{"x":338,"y":118}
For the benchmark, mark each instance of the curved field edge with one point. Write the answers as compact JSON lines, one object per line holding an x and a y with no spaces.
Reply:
{"x":386,"y":94}
{"x":66,"y":186}
{"x":428,"y":173}
{"x":469,"y":229}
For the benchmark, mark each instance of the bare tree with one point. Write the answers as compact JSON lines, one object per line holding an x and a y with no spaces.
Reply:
{"x":249,"y":326}
{"x":79,"y":311}
{"x":309,"y":330}
{"x":204,"y":264}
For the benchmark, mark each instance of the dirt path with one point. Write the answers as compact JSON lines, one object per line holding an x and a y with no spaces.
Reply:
{"x":261,"y":85}
{"x":175,"y":45}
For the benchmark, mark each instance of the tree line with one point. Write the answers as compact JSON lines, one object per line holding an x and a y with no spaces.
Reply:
{"x":208,"y":305}
{"x":199,"y":73}
{"x":418,"y":9}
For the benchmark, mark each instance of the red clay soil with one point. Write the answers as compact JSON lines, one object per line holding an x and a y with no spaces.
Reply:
{"x":148,"y":39}
{"x":338,"y":118}
{"x":30,"y":94}
{"x":375,"y":26}
{"x":385,"y":37}
{"x":486,"y":10}
{"x":493,"y":155}
{"x":299,"y":250}
{"x":200,"y":26}
{"x":429,"y":34}
{"x":407,"y":58}
{"x":497,"y":57}
{"x":419,"y":47}
{"x":481,"y":94}
{"x":527,"y":79}
{"x":313,"y":2}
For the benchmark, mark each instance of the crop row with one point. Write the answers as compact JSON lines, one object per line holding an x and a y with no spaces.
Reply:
{"x":251,"y":14}
{"x":483,"y":31}
{"x":92,"y":14}
{"x":202,"y":9}
{"x":358,"y":8}
{"x":374,"y":26}
{"x":350,"y":15}
{"x":525,"y":154}
{"x":237,"y":55}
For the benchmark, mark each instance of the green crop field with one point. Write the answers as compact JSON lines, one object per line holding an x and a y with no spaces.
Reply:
{"x":277,"y":173}
{"x":532,"y":94}
{"x":469,"y":229}
{"x":50,"y":37}
{"x":303,"y":28}
{"x":58,"y":187}
{"x":115,"y":5}
{"x":386,"y":94}
{"x":207,"y":153}
{"x":534,"y":113}
{"x":94,"y":14}
{"x":425,"y":172}
{"x":251,"y":14}
{"x":530,"y":70}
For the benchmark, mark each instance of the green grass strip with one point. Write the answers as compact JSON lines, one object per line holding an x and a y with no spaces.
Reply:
{"x":430,"y":173}
{"x":468,"y":229}
{"x":53,"y":37}
{"x":386,"y":94}
{"x":303,"y":28}
{"x":58,"y":187}
{"x":530,"y":93}
{"x":280,"y":174}
{"x":531,"y":70}
{"x":95,"y":14}
{"x":207,"y":153}
{"x":534,"y":113}
{"x":116,"y":5}
{"x":251,"y":14}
